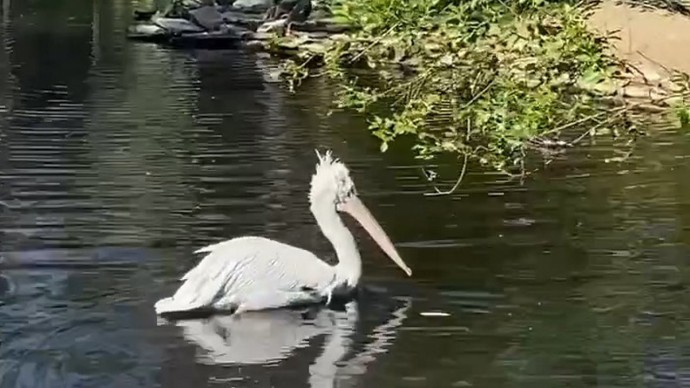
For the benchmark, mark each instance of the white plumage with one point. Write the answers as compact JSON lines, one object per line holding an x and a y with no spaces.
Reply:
{"x":250,"y":272}
{"x":256,"y":273}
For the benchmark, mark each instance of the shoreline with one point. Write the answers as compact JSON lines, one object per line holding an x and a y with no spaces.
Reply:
{"x":515,"y":86}
{"x":648,"y":64}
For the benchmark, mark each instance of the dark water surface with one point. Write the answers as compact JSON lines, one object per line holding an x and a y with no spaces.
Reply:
{"x":117,"y":160}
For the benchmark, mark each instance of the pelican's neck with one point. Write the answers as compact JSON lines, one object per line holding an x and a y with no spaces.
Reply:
{"x":349,"y":267}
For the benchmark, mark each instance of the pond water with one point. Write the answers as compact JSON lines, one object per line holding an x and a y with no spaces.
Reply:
{"x":117,"y":160}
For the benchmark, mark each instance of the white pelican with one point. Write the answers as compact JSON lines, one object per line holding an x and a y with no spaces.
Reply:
{"x":255,"y":273}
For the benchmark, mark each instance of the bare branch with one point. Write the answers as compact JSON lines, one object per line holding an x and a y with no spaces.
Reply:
{"x":457,"y":183}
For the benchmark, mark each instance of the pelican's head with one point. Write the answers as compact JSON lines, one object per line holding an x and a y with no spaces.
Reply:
{"x":331,"y":185}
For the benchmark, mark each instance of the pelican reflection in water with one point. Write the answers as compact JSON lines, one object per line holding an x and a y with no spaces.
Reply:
{"x":256,"y":273}
{"x":264,"y":337}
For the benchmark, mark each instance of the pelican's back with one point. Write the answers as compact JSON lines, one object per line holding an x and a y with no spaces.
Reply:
{"x":249,"y":271}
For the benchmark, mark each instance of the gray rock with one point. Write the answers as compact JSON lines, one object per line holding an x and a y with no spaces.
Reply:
{"x":277,"y":26}
{"x":252,"y":5}
{"x":146,"y":29}
{"x":321,"y":25}
{"x":207,"y":17}
{"x":175,"y":25}
{"x":254,"y":45}
{"x":262,"y":36}
{"x":246,"y":20}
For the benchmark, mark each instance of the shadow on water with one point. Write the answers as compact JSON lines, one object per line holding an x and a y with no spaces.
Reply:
{"x":118,"y":160}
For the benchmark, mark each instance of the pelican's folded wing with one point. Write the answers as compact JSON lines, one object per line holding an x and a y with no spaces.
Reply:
{"x":244,"y":266}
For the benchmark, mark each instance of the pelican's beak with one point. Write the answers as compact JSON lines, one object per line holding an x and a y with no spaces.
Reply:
{"x":354,"y":207}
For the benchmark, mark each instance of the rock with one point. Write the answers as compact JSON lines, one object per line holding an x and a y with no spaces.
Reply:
{"x":321,"y":13}
{"x":207,"y":17}
{"x":343,"y":37}
{"x":656,"y":93}
{"x":315,"y":47}
{"x":252,"y":5}
{"x":249,"y":21}
{"x":239,"y":31}
{"x":607,"y":88}
{"x":275,"y":26}
{"x":177,"y":26}
{"x":178,"y":8}
{"x":674,"y":100}
{"x":143,"y":15}
{"x":146,"y":29}
{"x":671,"y":86}
{"x":194,"y":3}
{"x":292,"y":44}
{"x":636,"y":91}
{"x":254,"y":45}
{"x":262,"y":36}
{"x":321,"y":25}
{"x":147,"y":33}
{"x":206,"y":40}
{"x":650,"y":108}
{"x":318,"y":35}
{"x":246,"y":35}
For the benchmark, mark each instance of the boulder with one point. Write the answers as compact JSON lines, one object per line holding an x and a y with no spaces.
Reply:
{"x":177,"y":26}
{"x":206,"y":40}
{"x":146,"y":29}
{"x":245,"y":20}
{"x":276,"y":26}
{"x":207,"y":17}
{"x":327,"y":25}
{"x":252,"y":5}
{"x":147,"y":33}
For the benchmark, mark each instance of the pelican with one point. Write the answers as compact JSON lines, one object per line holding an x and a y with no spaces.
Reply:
{"x":255,"y":273}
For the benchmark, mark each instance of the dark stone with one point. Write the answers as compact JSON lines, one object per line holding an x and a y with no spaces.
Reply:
{"x":249,"y":21}
{"x":207,"y":17}
{"x":141,"y":15}
{"x":206,"y":40}
{"x":177,"y":26}
{"x":147,"y":33}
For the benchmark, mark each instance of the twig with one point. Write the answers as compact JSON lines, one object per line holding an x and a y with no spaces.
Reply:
{"x":374,"y":43}
{"x":7,"y":205}
{"x":476,"y":96}
{"x":655,"y":62}
{"x":582,"y":120}
{"x":457,"y":183}
{"x":637,"y":69}
{"x":588,"y":131}
{"x":419,"y":81}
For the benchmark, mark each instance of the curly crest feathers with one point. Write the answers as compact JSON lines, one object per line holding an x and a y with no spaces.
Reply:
{"x":331,"y":182}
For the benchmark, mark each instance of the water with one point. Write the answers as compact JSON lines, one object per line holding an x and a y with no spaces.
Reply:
{"x":117,"y":160}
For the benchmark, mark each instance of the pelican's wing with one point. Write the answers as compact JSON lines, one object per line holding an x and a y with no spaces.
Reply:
{"x":237,"y":268}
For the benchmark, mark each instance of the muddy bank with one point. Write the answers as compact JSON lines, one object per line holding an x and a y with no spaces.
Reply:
{"x":651,"y":42}
{"x":645,"y":36}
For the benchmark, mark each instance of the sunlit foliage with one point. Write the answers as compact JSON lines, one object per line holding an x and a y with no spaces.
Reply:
{"x":488,"y":78}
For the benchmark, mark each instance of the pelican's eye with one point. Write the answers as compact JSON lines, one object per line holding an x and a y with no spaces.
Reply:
{"x":346,"y":194}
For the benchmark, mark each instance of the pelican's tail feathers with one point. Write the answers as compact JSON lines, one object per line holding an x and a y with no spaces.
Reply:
{"x":172,"y":305}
